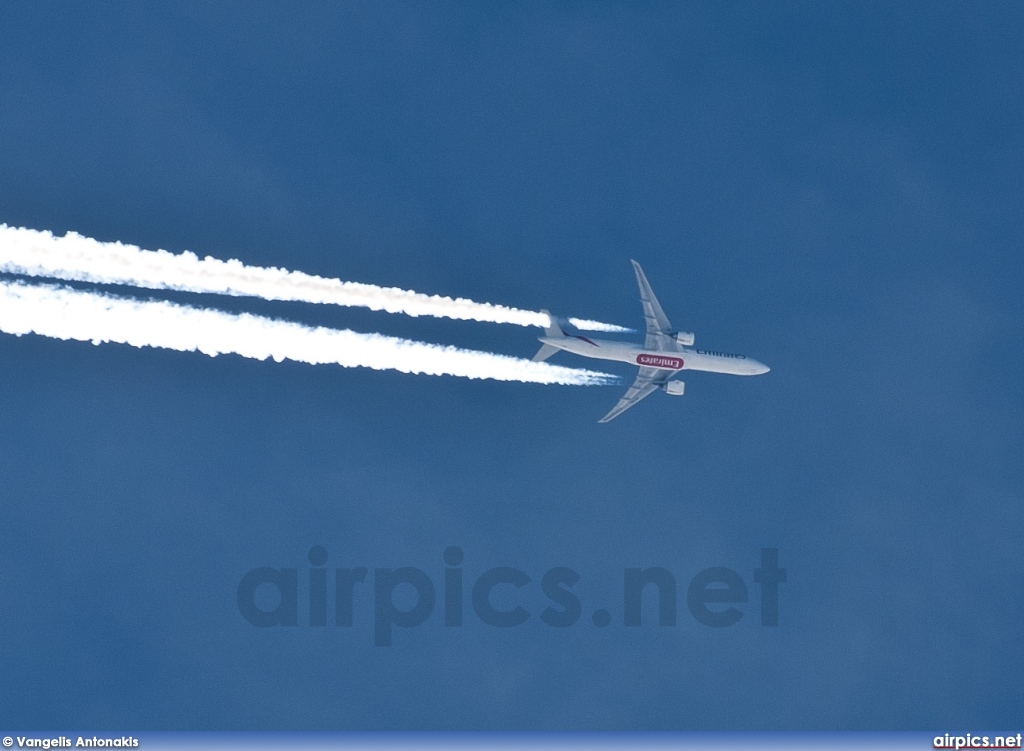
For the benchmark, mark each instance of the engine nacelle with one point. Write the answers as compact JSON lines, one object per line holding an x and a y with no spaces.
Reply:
{"x":674,"y":388}
{"x":686,"y":338}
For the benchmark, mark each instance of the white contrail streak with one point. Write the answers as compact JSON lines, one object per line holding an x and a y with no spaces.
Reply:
{"x":77,"y":258}
{"x":64,"y":313}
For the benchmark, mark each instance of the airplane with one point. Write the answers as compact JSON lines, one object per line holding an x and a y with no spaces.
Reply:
{"x":665,"y":353}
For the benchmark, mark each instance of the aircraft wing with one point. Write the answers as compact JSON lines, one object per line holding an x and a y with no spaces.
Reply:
{"x":648,"y":380}
{"x":659,"y":331}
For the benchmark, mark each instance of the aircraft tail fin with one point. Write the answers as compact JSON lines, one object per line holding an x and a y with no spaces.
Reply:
{"x":552,"y":331}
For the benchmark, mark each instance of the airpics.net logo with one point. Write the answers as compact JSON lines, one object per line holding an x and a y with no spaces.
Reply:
{"x":269,"y":597}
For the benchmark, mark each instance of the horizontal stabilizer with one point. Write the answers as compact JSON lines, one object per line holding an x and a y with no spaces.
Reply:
{"x":553,"y":330}
{"x":545,"y":351}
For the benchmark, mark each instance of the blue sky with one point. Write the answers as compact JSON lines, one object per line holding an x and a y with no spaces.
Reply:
{"x":833,"y":190}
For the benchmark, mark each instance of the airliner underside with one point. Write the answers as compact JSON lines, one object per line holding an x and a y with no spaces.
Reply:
{"x":665,"y":353}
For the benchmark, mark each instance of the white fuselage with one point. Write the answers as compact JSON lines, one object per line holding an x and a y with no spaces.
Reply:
{"x":688,"y":359}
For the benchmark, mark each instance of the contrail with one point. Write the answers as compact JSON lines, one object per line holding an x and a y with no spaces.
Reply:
{"x":77,"y":258}
{"x":64,"y":313}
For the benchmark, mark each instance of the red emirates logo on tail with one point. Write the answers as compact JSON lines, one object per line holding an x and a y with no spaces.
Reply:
{"x":660,"y":361}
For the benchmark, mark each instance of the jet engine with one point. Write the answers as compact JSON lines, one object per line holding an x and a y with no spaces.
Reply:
{"x":674,"y":388}
{"x":685,"y":338}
